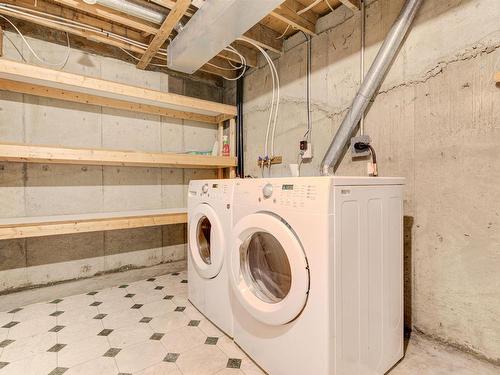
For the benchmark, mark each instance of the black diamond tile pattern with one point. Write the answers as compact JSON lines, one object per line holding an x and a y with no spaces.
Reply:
{"x":151,"y":279}
{"x":159,"y":287}
{"x":58,"y":371}
{"x":95,"y":304}
{"x":136,"y":306}
{"x":57,"y":313}
{"x":56,"y":301}
{"x":123,"y":286}
{"x":56,"y":348}
{"x":168,"y":297}
{"x":105,"y":332}
{"x":4,"y":343}
{"x":194,"y":323}
{"x":175,"y":274}
{"x":92,"y":293}
{"x":129,"y":295}
{"x":112,"y":352}
{"x":146,"y":319}
{"x":13,"y":311}
{"x":100,"y":316}
{"x":211,"y":340}
{"x":3,"y":364}
{"x":10,"y":324}
{"x":184,"y":281}
{"x":157,"y":336}
{"x":233,"y":363}
{"x":56,"y":328}
{"x":171,"y":357}
{"x":180,"y":308}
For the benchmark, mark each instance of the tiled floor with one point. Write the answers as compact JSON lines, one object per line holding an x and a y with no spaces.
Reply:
{"x":142,"y":323}
{"x":142,"y":327}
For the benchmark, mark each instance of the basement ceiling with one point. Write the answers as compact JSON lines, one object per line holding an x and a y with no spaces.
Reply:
{"x":145,"y":42}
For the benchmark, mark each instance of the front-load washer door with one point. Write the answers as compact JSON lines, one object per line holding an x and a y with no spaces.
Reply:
{"x":269,"y":271}
{"x":206,"y":241}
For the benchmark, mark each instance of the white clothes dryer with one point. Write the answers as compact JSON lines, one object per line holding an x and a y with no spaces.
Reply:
{"x":316,"y":267}
{"x":209,"y":228}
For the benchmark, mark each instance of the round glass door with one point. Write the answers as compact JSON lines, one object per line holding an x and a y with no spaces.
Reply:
{"x":265,"y":266}
{"x":269,"y":269}
{"x":206,"y":241}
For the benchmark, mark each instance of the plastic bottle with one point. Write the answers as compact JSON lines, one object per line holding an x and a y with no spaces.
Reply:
{"x":225,"y":145}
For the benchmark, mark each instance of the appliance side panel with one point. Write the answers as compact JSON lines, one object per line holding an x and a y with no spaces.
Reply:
{"x":347,"y":276}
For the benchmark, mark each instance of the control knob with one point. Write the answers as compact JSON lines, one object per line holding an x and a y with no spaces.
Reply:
{"x":267,"y":191}
{"x":204,"y":189}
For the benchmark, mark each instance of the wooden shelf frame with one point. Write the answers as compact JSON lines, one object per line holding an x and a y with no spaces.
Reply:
{"x":42,"y":226}
{"x":497,"y":77}
{"x":24,"y":153}
{"x":40,"y":81}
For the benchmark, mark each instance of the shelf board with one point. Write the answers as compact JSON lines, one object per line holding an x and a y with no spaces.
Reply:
{"x":497,"y":77}
{"x":82,"y":156}
{"x":41,"y":226}
{"x":40,"y":81}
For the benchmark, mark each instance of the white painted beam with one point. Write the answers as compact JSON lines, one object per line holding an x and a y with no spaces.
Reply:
{"x":213,"y":27}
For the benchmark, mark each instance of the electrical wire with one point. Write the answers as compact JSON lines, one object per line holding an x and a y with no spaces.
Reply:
{"x":59,"y":65}
{"x":329,"y":5}
{"x":273,"y":113}
{"x":310,"y":6}
{"x":284,"y":33}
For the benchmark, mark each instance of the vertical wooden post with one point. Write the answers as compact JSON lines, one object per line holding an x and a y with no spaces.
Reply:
{"x":220,"y":137}
{"x":232,"y":144}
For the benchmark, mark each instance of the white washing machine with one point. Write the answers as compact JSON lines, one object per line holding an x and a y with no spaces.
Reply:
{"x":209,"y":228}
{"x":316,"y":266}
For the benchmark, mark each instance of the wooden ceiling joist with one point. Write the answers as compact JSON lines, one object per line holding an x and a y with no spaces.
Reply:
{"x":110,"y":14}
{"x":265,"y":37}
{"x":164,"y":32}
{"x":352,"y":4}
{"x":287,"y":12}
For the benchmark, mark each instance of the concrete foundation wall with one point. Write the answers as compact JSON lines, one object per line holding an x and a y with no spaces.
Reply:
{"x":436,"y":121}
{"x":38,"y":189}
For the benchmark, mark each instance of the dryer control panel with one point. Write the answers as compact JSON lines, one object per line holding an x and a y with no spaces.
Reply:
{"x":298,"y":193}
{"x":211,"y":190}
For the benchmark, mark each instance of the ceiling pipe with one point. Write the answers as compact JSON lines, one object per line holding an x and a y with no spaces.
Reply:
{"x":370,"y":84}
{"x":132,"y":9}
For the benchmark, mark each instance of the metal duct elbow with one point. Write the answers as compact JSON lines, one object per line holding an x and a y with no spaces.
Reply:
{"x":131,"y":9}
{"x":370,"y":84}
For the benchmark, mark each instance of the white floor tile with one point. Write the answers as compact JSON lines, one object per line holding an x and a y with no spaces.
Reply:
{"x":83,"y":351}
{"x":202,"y":360}
{"x":80,"y":301}
{"x":140,"y":356}
{"x":157,"y":308}
{"x":99,"y":366}
{"x":79,"y":331}
{"x":28,"y":347}
{"x":35,"y":311}
{"x":250,"y":368}
{"x":115,"y":305}
{"x":32,"y":327}
{"x":130,"y":335}
{"x":162,"y":368}
{"x":77,"y":316}
{"x":169,"y":321}
{"x":40,"y":364}
{"x":124,"y":318}
{"x":183,"y":339}
{"x":228,"y":346}
{"x":209,"y":329}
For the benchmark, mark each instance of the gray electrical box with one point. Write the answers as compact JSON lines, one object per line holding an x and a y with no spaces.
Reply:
{"x":360,"y":138}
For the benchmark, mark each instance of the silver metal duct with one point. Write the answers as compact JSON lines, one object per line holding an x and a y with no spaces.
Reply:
{"x":370,"y":84}
{"x":131,"y":9}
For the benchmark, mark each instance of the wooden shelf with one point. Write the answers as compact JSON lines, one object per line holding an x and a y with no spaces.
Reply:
{"x":40,"y":81}
{"x":63,"y":155}
{"x":497,"y":77}
{"x":23,"y":227}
